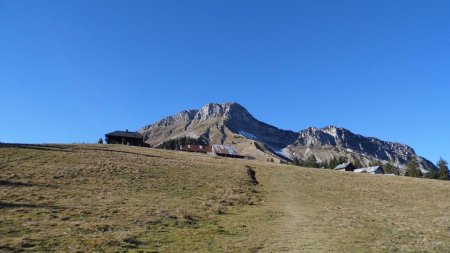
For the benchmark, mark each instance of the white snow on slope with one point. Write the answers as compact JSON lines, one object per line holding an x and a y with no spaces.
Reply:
{"x":283,"y":152}
{"x":248,"y":135}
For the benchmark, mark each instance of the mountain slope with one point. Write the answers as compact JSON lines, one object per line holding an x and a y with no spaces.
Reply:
{"x":330,"y":141}
{"x":230,"y":123}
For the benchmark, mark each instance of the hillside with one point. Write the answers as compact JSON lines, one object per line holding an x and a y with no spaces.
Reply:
{"x":232,"y":124}
{"x":118,"y":198}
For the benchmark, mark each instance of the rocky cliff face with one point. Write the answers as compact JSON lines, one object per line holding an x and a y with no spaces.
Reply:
{"x":212,"y":122}
{"x":332,"y":141}
{"x":230,"y":123}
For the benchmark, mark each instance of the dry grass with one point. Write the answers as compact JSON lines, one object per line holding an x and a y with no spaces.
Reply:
{"x":73,"y":198}
{"x":117,"y":198}
{"x":345,"y":212}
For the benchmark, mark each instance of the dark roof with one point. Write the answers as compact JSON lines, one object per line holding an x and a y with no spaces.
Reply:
{"x":125,"y":134}
{"x":342,"y":166}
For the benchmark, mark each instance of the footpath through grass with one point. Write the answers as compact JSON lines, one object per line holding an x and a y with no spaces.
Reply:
{"x":117,"y":198}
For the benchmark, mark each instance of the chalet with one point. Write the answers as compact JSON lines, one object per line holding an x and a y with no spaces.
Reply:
{"x":345,"y":167}
{"x":125,"y":138}
{"x":370,"y":170}
{"x":219,"y":150}
{"x":196,"y":148}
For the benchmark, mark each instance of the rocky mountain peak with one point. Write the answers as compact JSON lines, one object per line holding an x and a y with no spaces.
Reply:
{"x":217,"y":111}
{"x":182,"y":117}
{"x":228,"y":110}
{"x":211,"y":110}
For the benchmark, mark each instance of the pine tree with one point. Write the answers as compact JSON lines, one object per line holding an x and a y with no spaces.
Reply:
{"x":311,"y":161}
{"x":413,"y":169}
{"x":443,"y":169}
{"x":375,"y":163}
{"x":100,"y":141}
{"x":391,"y":169}
{"x":332,"y":163}
{"x":341,"y":160}
{"x":431,"y":174}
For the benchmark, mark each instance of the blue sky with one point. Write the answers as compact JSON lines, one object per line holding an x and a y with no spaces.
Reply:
{"x":71,"y":71}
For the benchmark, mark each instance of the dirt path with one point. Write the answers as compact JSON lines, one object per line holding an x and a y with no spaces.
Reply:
{"x":295,"y":228}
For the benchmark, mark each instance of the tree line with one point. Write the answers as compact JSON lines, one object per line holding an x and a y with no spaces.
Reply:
{"x":413,"y":170}
{"x":412,"y":167}
{"x":174,"y":144}
{"x":312,"y":162}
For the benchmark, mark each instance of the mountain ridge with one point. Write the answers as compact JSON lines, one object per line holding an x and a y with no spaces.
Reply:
{"x":231,"y":123}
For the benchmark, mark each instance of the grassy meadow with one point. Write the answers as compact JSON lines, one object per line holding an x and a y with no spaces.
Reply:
{"x":103,"y":198}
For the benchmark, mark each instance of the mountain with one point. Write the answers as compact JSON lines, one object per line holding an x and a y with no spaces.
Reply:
{"x":232,"y":124}
{"x":228,"y":123}
{"x":328,"y":142}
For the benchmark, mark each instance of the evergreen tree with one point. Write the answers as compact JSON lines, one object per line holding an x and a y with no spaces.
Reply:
{"x":341,"y":160}
{"x":332,"y":163}
{"x":443,"y":169}
{"x":431,"y":174}
{"x":311,"y":161}
{"x":175,"y":144}
{"x":100,"y":141}
{"x":375,"y":163}
{"x":391,"y":169}
{"x":413,"y":169}
{"x":322,"y":165}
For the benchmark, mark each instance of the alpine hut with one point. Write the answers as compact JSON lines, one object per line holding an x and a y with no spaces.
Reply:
{"x":125,"y":138}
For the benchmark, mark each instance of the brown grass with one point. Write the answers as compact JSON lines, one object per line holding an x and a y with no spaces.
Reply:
{"x":118,"y":198}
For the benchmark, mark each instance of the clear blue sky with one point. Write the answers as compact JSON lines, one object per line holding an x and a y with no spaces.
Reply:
{"x":71,"y":71}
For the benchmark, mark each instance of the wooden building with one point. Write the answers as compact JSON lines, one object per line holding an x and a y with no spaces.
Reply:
{"x":219,"y":150}
{"x":125,"y":138}
{"x":196,"y":148}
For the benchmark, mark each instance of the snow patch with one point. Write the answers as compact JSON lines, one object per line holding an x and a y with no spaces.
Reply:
{"x":248,"y":135}
{"x":283,"y":152}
